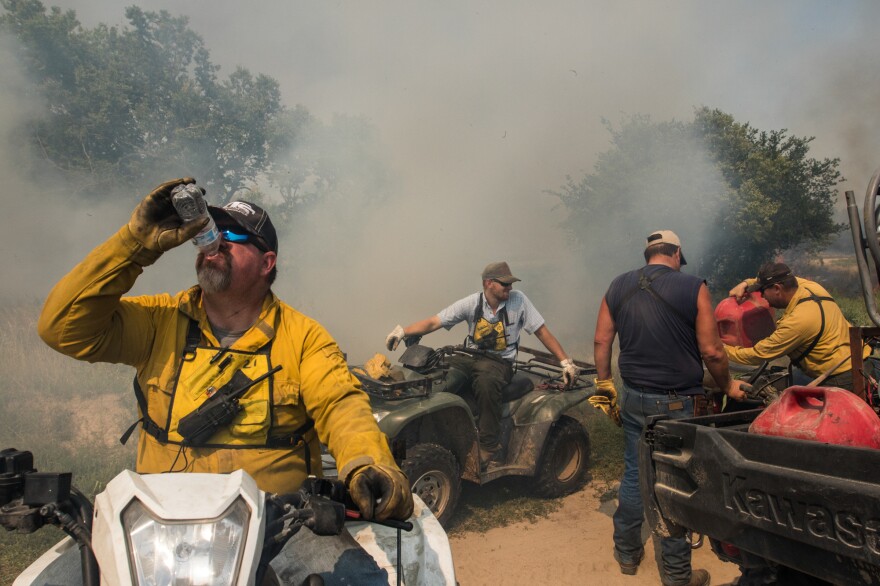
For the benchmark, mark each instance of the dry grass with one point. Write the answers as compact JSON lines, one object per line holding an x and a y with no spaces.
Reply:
{"x":67,"y":413}
{"x":838,"y":274}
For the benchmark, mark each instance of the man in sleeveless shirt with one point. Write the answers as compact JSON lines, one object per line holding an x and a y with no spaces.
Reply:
{"x":812,"y":330}
{"x":666,"y":328}
{"x":495,"y":316}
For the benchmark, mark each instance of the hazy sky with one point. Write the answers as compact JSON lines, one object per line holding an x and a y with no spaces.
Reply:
{"x":480,"y":108}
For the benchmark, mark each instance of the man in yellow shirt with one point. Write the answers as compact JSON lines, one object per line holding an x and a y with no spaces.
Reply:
{"x":229,"y":327}
{"x":812,"y":330}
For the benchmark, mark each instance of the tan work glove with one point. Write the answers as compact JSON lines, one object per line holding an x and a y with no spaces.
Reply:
{"x":605,"y":399}
{"x":394,"y":338}
{"x":381,"y":492}
{"x":569,"y":372}
{"x":738,"y":390}
{"x":155,"y":222}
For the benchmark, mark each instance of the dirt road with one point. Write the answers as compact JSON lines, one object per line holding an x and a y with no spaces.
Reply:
{"x":571,"y":546}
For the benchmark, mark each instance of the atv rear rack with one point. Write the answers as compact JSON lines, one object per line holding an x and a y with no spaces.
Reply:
{"x":403,"y":389}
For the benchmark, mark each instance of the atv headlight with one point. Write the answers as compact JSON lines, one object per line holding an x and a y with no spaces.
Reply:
{"x":189,"y":552}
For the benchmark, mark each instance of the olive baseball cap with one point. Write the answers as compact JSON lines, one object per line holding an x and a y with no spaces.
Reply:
{"x":664,"y":237}
{"x":770,"y":274}
{"x":499,"y":271}
{"x":250,"y":217}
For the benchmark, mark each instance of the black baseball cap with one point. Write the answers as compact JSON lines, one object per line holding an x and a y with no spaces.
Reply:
{"x":770,"y":274}
{"x":250,"y":217}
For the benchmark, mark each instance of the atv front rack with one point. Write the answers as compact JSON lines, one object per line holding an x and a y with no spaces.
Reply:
{"x":550,"y":360}
{"x":545,"y":364}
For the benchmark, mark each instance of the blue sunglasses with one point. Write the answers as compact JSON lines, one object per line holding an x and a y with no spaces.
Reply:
{"x":231,"y":236}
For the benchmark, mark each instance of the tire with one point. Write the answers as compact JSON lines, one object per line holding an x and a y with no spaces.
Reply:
{"x":565,"y":461}
{"x":434,"y":475}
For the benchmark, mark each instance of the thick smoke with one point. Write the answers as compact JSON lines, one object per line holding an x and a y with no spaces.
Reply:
{"x":481,"y":108}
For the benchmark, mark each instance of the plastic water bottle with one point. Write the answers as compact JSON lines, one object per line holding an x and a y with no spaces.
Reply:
{"x":190,"y":205}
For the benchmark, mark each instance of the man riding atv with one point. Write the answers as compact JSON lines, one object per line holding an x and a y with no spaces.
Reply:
{"x":192,"y":349}
{"x":495,"y":317}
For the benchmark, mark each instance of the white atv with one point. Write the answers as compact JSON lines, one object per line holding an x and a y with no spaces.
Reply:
{"x":198,"y":529}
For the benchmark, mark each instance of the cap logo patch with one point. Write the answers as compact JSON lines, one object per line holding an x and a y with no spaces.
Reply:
{"x":240,"y":207}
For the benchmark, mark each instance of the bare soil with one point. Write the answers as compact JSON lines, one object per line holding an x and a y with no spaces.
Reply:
{"x":570,"y":546}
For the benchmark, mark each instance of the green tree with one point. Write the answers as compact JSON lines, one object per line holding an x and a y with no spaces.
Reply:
{"x":736,"y":195}
{"x":781,"y":200}
{"x":125,"y":104}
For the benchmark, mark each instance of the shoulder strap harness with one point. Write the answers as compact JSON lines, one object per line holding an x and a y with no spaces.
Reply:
{"x":193,"y":337}
{"x":813,"y":297}
{"x":502,"y":316}
{"x":645,"y":285}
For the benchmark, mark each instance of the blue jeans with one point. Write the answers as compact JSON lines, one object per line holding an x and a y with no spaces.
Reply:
{"x":635,"y":407}
{"x":338,"y":559}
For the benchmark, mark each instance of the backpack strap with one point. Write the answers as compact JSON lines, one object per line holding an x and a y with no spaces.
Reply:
{"x":193,"y":337}
{"x":818,"y":300}
{"x":292,"y":440}
{"x":644,"y":284}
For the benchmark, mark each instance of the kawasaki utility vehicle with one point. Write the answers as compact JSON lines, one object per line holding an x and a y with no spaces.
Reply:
{"x":427,"y":410}
{"x":787,"y":510}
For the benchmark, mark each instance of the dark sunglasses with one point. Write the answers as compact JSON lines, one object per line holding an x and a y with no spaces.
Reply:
{"x":231,"y":236}
{"x":503,"y":284}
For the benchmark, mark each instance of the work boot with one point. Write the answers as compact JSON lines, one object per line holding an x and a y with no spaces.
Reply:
{"x":490,"y":458}
{"x":629,"y":568}
{"x":698,"y":578}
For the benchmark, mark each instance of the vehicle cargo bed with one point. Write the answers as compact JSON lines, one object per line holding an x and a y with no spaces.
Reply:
{"x":810,"y":506}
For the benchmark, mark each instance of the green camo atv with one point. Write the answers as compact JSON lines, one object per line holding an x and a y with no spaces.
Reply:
{"x":426,"y":409}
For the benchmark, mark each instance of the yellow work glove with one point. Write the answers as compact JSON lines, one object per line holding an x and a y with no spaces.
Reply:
{"x":605,"y":399}
{"x":381,"y":492}
{"x":155,"y":222}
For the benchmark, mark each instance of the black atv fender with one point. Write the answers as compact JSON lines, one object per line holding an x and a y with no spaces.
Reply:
{"x":402,"y":413}
{"x":544,"y":406}
{"x":533,"y":415}
{"x":441,"y":418}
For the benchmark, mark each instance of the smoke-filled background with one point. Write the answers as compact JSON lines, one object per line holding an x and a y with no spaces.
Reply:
{"x":478,"y":110}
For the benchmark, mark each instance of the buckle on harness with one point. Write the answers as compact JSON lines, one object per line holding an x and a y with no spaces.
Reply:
{"x":288,"y":441}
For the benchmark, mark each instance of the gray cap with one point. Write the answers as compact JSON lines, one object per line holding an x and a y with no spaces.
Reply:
{"x":499,"y":271}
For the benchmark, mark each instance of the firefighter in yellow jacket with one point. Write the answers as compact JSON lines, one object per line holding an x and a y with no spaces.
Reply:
{"x":812,"y":330}
{"x":228,"y":331}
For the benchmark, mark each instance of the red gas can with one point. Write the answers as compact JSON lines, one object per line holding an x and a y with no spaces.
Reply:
{"x":744,"y":324}
{"x":822,"y":414}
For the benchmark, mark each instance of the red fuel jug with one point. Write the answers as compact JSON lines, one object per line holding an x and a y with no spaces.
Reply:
{"x":822,"y":414}
{"x":744,"y":324}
